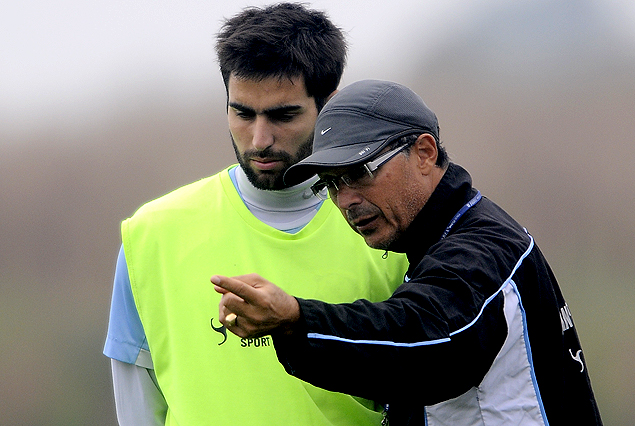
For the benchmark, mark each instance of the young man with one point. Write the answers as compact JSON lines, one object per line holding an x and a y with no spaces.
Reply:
{"x":479,"y":332}
{"x":173,"y":362}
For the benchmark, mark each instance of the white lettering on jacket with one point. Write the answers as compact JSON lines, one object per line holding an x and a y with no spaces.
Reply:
{"x":566,"y":320}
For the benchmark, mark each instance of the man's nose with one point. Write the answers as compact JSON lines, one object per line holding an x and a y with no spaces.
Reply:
{"x":263,"y":135}
{"x":345,"y":197}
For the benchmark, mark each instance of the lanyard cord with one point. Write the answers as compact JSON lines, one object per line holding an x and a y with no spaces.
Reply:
{"x":461,"y":212}
{"x":455,"y":219}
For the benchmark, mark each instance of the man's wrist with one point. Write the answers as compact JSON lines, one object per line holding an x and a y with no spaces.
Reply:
{"x":294,"y":322}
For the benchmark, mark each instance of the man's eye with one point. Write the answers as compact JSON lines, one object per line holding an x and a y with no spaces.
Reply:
{"x":283,"y":117}
{"x":356,"y":174}
{"x":244,"y":115}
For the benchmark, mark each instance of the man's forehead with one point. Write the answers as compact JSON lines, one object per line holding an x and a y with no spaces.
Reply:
{"x":274,"y":86}
{"x":269,"y":95}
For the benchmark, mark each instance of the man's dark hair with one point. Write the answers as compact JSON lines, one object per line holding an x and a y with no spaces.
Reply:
{"x":285,"y":40}
{"x":442,"y":155}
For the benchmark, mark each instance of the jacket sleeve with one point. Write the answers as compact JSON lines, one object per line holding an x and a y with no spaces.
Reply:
{"x":441,"y":331}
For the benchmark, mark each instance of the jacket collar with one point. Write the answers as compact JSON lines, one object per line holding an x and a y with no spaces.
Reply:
{"x":453,"y":192}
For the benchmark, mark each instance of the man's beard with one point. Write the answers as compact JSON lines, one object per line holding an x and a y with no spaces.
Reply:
{"x":271,"y":180}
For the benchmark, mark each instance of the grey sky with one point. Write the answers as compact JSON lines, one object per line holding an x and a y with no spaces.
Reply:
{"x":68,"y":56}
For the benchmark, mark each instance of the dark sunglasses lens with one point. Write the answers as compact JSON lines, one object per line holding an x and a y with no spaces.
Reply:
{"x":355,"y":175}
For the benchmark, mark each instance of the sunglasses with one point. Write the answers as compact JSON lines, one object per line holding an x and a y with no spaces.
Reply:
{"x":355,"y":176}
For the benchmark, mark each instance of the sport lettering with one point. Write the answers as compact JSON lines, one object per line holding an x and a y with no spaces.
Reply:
{"x":256,"y":343}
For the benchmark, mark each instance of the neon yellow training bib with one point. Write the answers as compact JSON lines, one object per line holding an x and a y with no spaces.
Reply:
{"x":173,"y":245}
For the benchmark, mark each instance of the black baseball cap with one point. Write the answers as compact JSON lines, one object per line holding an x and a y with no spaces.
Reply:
{"x":359,"y":121}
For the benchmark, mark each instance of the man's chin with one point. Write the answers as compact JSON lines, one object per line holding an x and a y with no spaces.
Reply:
{"x":371,"y":239}
{"x":266,"y":181}
{"x":375,"y":240}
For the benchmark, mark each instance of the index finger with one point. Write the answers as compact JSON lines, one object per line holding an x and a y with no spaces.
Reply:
{"x":234,"y":285}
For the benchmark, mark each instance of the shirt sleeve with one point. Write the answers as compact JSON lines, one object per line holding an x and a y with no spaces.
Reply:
{"x":126,"y":340}
{"x":138,"y":399}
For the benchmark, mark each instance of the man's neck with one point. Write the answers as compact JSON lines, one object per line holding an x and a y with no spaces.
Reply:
{"x":287,"y":209}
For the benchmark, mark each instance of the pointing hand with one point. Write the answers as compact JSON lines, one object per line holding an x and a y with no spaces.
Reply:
{"x":252,"y":306}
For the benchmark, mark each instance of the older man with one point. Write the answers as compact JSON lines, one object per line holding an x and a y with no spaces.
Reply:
{"x":478,"y":333}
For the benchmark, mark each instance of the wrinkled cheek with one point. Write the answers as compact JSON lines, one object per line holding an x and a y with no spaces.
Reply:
{"x":383,"y":235}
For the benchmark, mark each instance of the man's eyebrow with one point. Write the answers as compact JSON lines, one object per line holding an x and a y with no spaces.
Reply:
{"x":240,"y":107}
{"x":270,"y":111}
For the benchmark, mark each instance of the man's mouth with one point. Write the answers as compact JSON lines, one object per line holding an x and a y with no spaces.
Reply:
{"x":266,"y":164}
{"x":364,"y":224}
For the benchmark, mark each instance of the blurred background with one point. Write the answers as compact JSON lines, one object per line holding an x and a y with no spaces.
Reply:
{"x":105,"y":105}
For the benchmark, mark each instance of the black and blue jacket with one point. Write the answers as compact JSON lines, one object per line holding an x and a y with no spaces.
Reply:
{"x":478,"y":334}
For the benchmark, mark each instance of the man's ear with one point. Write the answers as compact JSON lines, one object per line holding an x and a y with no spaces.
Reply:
{"x":426,"y":149}
{"x":332,"y":94}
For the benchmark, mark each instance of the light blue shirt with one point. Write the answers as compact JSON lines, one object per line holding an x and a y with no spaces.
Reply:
{"x":126,"y":337}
